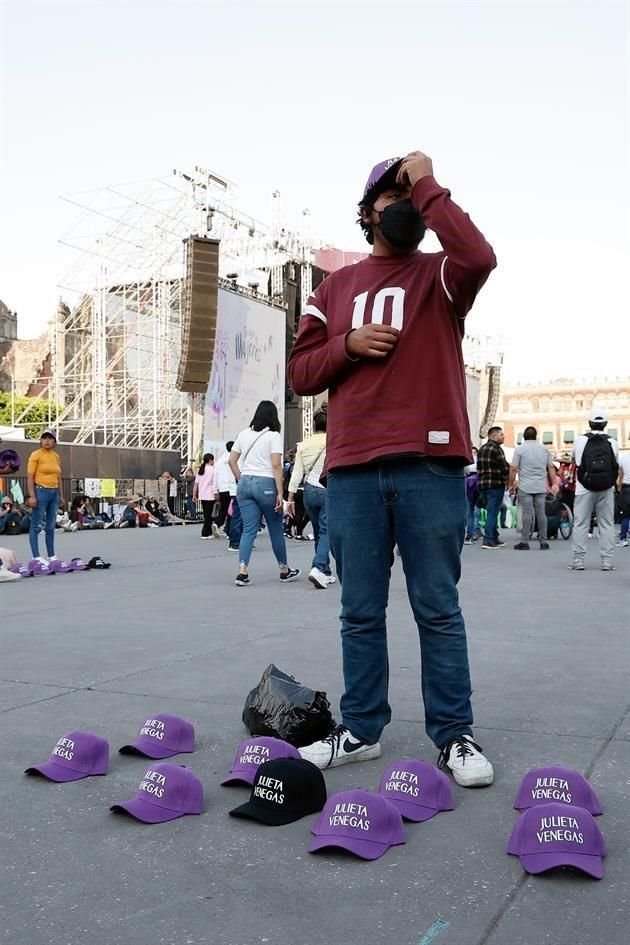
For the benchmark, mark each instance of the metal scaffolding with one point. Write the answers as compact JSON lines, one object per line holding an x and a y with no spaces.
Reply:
{"x":116,"y":339}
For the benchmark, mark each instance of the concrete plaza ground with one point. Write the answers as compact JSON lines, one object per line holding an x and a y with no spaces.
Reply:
{"x":165,"y":630}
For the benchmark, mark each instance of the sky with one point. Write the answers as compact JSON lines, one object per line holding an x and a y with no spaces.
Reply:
{"x":524,"y":108}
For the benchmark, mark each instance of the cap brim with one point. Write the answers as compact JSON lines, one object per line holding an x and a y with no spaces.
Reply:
{"x":149,"y":751}
{"x":265,"y":815}
{"x":366,"y":849}
{"x":57,"y":773}
{"x":239,"y":778}
{"x":541,"y":862}
{"x":410,"y":811}
{"x":148,"y":813}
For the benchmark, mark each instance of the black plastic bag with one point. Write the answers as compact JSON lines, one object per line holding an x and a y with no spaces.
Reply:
{"x":281,"y":707}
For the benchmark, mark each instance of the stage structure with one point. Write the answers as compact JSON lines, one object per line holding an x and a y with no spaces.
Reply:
{"x":115,"y":345}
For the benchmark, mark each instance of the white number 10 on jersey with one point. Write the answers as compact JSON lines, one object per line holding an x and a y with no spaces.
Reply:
{"x":395,"y":293}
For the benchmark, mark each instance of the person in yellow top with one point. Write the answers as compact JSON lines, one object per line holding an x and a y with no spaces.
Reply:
{"x":44,"y":492}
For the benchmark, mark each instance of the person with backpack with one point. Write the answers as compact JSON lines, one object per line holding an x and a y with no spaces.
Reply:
{"x":596,"y":457}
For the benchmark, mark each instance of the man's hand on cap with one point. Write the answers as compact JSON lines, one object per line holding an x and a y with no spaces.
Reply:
{"x":414,"y":167}
{"x":371,"y":341}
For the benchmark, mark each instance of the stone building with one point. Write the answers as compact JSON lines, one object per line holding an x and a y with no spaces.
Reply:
{"x":560,"y":409}
{"x":8,"y":335}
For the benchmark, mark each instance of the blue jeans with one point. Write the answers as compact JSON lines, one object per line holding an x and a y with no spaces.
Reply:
{"x":472,"y":522}
{"x":316,"y":506}
{"x":421,"y":507}
{"x":257,"y":496}
{"x":494,"y":500}
{"x":234,"y":525}
{"x":45,"y":514}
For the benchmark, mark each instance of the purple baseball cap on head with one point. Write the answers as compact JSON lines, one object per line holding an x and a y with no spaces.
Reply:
{"x":166,"y":792}
{"x":558,"y":835}
{"x":361,"y":822}
{"x":419,"y":790}
{"x":162,"y":736}
{"x":379,"y":171}
{"x":76,"y":755}
{"x":554,"y":783}
{"x":254,"y":752}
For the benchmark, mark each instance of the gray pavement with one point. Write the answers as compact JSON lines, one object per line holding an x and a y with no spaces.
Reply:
{"x":165,"y":631}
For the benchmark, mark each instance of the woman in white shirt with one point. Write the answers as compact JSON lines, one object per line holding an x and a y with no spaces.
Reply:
{"x":256,"y":461}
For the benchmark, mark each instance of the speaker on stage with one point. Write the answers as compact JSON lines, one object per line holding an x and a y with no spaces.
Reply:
{"x":199,"y":316}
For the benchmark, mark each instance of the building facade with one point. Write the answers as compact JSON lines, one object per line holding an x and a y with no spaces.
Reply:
{"x":560,"y":409}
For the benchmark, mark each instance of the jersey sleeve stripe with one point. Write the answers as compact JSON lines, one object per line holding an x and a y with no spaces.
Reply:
{"x":448,"y":294}
{"x":313,"y":310}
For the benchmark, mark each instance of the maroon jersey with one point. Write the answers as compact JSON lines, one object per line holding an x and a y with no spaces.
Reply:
{"x":414,"y":400}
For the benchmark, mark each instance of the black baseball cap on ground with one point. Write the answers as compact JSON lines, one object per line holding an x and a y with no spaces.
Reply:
{"x":284,"y":790}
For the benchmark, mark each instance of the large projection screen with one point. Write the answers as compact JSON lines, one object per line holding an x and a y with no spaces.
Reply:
{"x":248,"y":366}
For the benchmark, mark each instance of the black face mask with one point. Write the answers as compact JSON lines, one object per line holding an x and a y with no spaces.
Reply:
{"x":401,"y":225}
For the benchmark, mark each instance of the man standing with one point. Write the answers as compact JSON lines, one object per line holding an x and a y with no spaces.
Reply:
{"x":596,"y":458}
{"x":384,"y":337}
{"x":493,"y":471}
{"x":533,"y":465}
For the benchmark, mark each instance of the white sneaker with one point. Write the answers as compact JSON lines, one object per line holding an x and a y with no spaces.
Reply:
{"x":318,"y":579}
{"x":622,"y":544}
{"x":6,"y":575}
{"x":468,"y":764}
{"x":331,"y":579}
{"x":340,"y":748}
{"x":205,"y":537}
{"x":215,"y":530}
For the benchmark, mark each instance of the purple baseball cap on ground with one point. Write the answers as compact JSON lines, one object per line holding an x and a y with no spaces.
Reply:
{"x":162,"y":736}
{"x":558,"y":835}
{"x":389,"y":167}
{"x":77,"y":564}
{"x":360,"y":822}
{"x":167,"y":791}
{"x":76,"y":755}
{"x":418,"y":789}
{"x":554,"y":783}
{"x":254,"y":752}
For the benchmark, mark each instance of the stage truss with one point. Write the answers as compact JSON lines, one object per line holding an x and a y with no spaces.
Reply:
{"x":115,"y":343}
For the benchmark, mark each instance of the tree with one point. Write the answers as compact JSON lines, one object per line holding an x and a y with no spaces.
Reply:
{"x":34,"y":415}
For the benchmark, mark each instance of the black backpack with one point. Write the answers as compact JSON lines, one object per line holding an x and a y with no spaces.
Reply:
{"x":599,"y":469}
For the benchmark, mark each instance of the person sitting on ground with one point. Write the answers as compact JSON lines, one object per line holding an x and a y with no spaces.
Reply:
{"x":8,"y":560}
{"x":63,"y":517}
{"x":154,"y":508}
{"x":10,"y":517}
{"x":136,"y":516}
{"x":84,"y":516}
